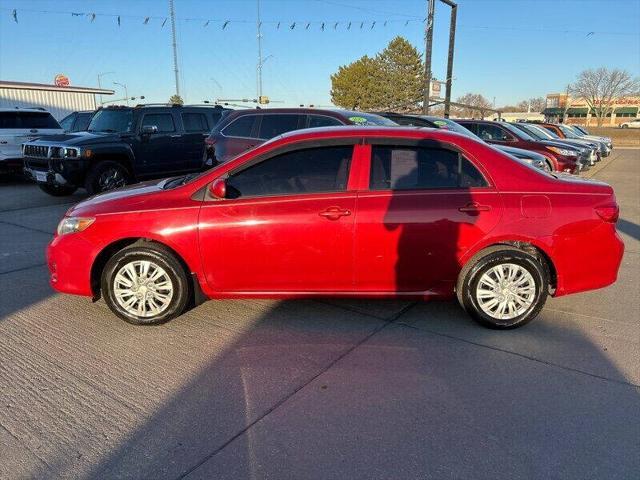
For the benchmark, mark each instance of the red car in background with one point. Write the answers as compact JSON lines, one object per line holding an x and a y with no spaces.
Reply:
{"x":345,"y":212}
{"x":241,"y":130}
{"x":561,"y":157}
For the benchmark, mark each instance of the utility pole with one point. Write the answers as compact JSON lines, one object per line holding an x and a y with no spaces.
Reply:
{"x":431,"y":6}
{"x":100,"y":75}
{"x":260,"y":62}
{"x":172,"y":14}
{"x":452,"y":41}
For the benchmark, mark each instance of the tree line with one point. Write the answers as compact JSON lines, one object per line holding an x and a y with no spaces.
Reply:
{"x":393,"y":80}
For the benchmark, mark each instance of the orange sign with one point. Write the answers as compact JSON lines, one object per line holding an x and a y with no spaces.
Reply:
{"x":61,"y":80}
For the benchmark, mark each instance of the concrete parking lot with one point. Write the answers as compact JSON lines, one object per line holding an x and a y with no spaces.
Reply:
{"x":314,"y":389}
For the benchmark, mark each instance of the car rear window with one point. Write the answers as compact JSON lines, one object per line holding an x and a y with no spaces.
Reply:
{"x":82,"y":122}
{"x":417,"y":168}
{"x":273,"y":125}
{"x":27,"y":120}
{"x":240,"y":127}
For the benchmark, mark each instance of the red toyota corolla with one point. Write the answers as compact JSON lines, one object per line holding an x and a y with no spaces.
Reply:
{"x":349,"y":212}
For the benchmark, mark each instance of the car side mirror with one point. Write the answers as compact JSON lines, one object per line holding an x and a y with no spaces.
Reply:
{"x":149,"y":129}
{"x":218,"y":189}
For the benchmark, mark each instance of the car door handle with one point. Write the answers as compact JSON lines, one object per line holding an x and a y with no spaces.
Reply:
{"x":334,"y":213}
{"x":175,"y":136}
{"x":474,"y":208}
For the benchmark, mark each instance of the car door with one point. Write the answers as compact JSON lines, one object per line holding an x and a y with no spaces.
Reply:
{"x":160,"y":152}
{"x":425,"y":207}
{"x":285,"y":226}
{"x":236,"y":137}
{"x":196,"y":129}
{"x":494,"y":133}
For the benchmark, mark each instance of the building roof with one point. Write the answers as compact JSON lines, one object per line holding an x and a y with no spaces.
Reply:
{"x":52,"y":88}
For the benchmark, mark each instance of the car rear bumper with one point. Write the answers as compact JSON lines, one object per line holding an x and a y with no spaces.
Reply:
{"x":589,"y":268}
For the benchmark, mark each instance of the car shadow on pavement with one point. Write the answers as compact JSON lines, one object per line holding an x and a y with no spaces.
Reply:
{"x":630,"y":228}
{"x":311,"y":390}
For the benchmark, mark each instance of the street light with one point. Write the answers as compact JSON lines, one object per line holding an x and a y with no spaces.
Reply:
{"x":126,"y":93}
{"x":100,"y":75}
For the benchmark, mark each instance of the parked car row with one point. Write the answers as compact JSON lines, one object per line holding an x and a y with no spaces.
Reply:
{"x":116,"y":145}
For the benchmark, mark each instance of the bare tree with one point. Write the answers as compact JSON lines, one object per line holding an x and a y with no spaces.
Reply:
{"x":475,"y":104}
{"x":601,"y":87}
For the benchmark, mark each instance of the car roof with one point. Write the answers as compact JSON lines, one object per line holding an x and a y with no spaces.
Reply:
{"x":348,"y":131}
{"x":24,"y":109}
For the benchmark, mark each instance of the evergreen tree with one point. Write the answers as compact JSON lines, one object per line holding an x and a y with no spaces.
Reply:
{"x":394,"y":79}
{"x":176,"y":100}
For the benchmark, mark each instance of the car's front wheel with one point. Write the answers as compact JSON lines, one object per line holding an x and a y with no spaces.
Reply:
{"x":145,"y":284}
{"x":504,"y":287}
{"x":106,"y":176}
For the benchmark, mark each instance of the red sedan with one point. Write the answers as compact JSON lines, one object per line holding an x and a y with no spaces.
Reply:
{"x":349,"y":212}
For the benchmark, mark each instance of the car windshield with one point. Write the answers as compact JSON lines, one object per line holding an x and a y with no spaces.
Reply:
{"x":454,"y":127}
{"x":522,"y":135}
{"x":112,"y":121}
{"x":541,"y":133}
{"x":567,"y":131}
{"x":575,"y":130}
{"x":368,"y":119}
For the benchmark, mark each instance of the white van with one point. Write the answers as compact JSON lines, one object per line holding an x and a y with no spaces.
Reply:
{"x":19,"y":125}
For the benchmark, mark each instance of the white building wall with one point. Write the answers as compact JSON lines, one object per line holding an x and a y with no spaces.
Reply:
{"x":58,"y":103}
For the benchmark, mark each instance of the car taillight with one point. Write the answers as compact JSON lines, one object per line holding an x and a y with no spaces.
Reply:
{"x":608,"y":213}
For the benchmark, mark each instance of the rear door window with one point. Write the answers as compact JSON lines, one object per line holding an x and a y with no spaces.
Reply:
{"x":164,"y":122}
{"x":195,"y":122}
{"x":240,"y":127}
{"x":272,"y":125}
{"x":418,"y":168}
{"x":487,"y":131}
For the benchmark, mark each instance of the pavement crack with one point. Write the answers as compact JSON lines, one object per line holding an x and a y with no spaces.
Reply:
{"x":25,"y":227}
{"x":522,"y":355}
{"x":284,"y":399}
{"x":29,"y":267}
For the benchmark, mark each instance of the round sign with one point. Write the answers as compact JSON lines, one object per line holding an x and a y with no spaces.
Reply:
{"x":61,"y":80}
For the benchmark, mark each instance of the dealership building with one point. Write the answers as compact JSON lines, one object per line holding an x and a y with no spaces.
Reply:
{"x":60,"y":100}
{"x":578,"y":112}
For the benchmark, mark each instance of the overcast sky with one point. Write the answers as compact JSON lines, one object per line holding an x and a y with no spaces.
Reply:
{"x":507,"y":49}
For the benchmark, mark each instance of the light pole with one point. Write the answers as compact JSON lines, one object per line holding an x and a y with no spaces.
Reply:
{"x":126,"y":93}
{"x":100,"y":75}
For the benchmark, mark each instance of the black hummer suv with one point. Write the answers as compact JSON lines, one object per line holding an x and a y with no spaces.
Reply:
{"x":122,"y":145}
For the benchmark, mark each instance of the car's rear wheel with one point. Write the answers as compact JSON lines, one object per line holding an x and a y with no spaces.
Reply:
{"x":625,"y":126}
{"x":57,"y":190}
{"x":503,"y":287}
{"x":106,"y":176}
{"x":145,"y":284}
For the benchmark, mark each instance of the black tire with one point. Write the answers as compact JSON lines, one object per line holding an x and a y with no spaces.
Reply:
{"x":157,"y":255}
{"x":624,"y":126}
{"x":105,"y":176}
{"x":470,"y":275}
{"x":57,"y":190}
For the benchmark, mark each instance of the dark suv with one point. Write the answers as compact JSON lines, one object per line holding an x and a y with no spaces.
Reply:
{"x":241,"y":130}
{"x":122,"y":145}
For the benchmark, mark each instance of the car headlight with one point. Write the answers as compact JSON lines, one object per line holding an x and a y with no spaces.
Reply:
{"x":562,"y":151}
{"x":74,"y":224}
